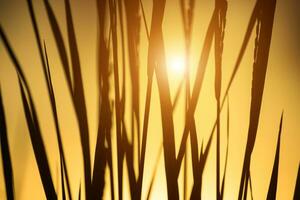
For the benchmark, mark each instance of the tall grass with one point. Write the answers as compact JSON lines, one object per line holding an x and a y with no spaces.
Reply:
{"x":128,"y":17}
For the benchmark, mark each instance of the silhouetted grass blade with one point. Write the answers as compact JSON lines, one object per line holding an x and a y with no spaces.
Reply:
{"x":79,"y":100}
{"x":63,"y":193}
{"x":226,"y":155}
{"x":261,"y":55}
{"x":56,"y":121}
{"x":102,"y":155}
{"x":37,"y":143}
{"x":194,"y":148}
{"x":120,"y":148}
{"x":13,"y":56}
{"x":133,"y":38}
{"x":5,"y":153}
{"x":274,"y":178}
{"x":79,"y":191}
{"x":59,"y":43}
{"x":128,"y":152}
{"x":36,"y":33}
{"x":197,"y":187}
{"x":250,"y":183}
{"x":35,"y":134}
{"x":221,"y":8}
{"x":146,"y":113}
{"x":156,"y":59}
{"x":240,"y":56}
{"x":154,"y":172}
{"x":49,"y":84}
{"x":197,"y":88}
{"x":246,"y":185}
{"x":297,"y":186}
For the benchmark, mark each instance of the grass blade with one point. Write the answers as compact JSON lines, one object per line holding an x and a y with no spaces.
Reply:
{"x":120,"y":148}
{"x":102,"y":154}
{"x":226,"y":154}
{"x":146,"y":116}
{"x":59,"y":43}
{"x":297,"y":186}
{"x":221,"y":8}
{"x":54,"y":111}
{"x":240,"y":56}
{"x":13,"y":57}
{"x":250,"y":182}
{"x":198,"y":172}
{"x":187,"y":15}
{"x":37,"y":143}
{"x":197,"y":88}
{"x":133,"y":38}
{"x":156,"y":55}
{"x":79,"y":100}
{"x":128,"y":150}
{"x":62,"y":180}
{"x":34,"y":130}
{"x":47,"y":76}
{"x":154,"y":172}
{"x":5,"y":153}
{"x":274,"y":178}
{"x":263,"y":39}
{"x":79,"y":192}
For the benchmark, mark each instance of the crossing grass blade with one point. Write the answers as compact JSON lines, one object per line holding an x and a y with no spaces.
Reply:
{"x":79,"y":100}
{"x":156,"y":60}
{"x":132,"y":8}
{"x":56,"y":121}
{"x":133,"y":37}
{"x":102,"y":154}
{"x":37,"y":142}
{"x":33,"y":126}
{"x":250,"y":183}
{"x":5,"y":154}
{"x":146,"y":114}
{"x":120,"y":148}
{"x":197,"y":88}
{"x":187,"y":15}
{"x":199,"y":169}
{"x":59,"y":43}
{"x":154,"y":172}
{"x":46,"y":71}
{"x":128,"y":151}
{"x":246,"y":39}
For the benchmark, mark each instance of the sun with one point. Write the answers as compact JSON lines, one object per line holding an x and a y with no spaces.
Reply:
{"x":176,"y":65}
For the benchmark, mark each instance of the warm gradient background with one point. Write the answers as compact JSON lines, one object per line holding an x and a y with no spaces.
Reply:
{"x":281,"y":92}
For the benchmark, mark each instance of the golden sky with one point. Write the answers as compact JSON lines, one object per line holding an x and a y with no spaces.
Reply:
{"x":281,"y":92}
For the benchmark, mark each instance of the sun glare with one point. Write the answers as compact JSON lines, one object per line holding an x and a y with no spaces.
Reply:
{"x":176,"y":65}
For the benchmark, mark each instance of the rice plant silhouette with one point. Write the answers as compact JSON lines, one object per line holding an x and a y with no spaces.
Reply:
{"x":120,"y":24}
